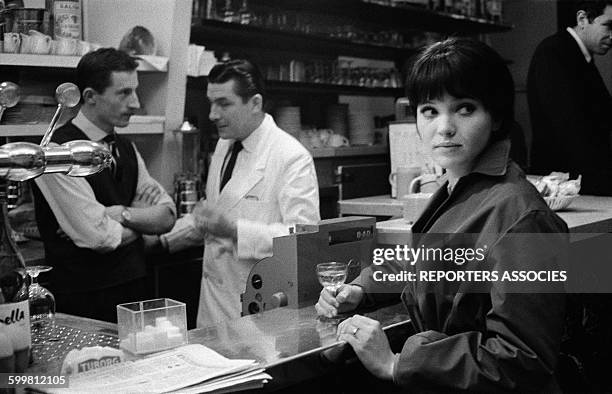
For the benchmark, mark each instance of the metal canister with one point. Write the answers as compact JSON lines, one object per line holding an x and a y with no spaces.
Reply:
{"x":187,"y":193}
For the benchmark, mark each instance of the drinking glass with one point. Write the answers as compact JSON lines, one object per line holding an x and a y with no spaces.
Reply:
{"x":42,"y":305}
{"x":332,"y":274}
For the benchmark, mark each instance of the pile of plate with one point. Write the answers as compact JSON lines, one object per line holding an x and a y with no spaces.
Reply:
{"x":288,"y":119}
{"x":337,"y":118}
{"x":361,"y":128}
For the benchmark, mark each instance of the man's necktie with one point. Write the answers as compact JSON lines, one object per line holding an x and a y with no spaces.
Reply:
{"x":112,"y":146}
{"x":227,"y":174}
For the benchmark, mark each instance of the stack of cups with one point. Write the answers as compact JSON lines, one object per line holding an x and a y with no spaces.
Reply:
{"x":288,"y":119}
{"x":337,"y":118}
{"x":361,"y":128}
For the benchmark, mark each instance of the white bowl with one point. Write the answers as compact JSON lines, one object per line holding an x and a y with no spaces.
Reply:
{"x":560,"y":202}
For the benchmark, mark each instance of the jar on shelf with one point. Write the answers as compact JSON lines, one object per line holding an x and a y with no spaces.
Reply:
{"x":67,"y":19}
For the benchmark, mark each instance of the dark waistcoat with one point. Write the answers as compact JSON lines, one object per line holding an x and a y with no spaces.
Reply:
{"x":79,"y":269}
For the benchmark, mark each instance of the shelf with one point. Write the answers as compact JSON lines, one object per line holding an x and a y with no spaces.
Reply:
{"x":349,"y":151}
{"x":214,"y":34}
{"x":315,"y":88}
{"x":155,"y":63}
{"x":402,"y":18}
{"x":307,"y":87}
{"x":138,"y":125}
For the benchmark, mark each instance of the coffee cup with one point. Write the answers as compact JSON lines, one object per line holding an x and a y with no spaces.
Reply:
{"x":414,"y":206}
{"x":12,"y":42}
{"x":40,"y":43}
{"x":26,"y":43}
{"x":426,"y":183}
{"x":66,"y":46}
{"x":401,"y":179}
{"x":337,"y":140}
{"x":83,"y":48}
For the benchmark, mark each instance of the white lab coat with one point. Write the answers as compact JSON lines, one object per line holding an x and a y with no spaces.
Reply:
{"x":272,"y":188}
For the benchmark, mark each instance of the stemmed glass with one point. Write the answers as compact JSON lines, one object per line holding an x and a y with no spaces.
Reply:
{"x":42,"y":305}
{"x":332,"y":276}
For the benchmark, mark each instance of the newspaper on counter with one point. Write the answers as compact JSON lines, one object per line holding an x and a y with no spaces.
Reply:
{"x":172,"y":370}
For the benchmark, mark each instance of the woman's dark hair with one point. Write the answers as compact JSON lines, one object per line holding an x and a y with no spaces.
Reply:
{"x":462,"y":68}
{"x":247,"y":77}
{"x":95,"y":68}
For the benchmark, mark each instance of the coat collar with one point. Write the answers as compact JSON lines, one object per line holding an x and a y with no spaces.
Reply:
{"x":249,"y":171}
{"x":493,"y":160}
{"x":251,"y":142}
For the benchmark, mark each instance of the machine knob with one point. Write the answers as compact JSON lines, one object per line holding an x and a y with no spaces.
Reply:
{"x":279,"y":300}
{"x":256,"y":282}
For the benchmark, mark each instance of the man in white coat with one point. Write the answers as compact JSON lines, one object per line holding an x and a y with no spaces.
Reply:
{"x":261,"y":182}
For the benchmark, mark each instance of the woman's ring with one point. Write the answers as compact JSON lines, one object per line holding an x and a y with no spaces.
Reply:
{"x":355,"y":330}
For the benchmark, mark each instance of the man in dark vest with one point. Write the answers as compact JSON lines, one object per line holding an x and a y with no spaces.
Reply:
{"x":569,"y":103}
{"x":91,"y":227}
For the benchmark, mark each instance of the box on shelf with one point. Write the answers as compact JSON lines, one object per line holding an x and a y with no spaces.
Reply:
{"x":152,"y":325}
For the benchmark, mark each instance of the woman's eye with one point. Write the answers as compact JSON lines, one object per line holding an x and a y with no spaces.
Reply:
{"x":466,"y":109}
{"x":427,"y":112}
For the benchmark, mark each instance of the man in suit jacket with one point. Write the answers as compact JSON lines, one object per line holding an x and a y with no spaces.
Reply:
{"x":261,"y":182}
{"x":569,"y":103}
{"x":91,"y":227}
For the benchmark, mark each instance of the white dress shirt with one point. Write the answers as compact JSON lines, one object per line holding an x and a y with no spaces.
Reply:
{"x":583,"y":48}
{"x":74,"y":203}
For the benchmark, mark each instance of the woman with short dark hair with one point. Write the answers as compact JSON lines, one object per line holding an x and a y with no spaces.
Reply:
{"x":472,"y":334}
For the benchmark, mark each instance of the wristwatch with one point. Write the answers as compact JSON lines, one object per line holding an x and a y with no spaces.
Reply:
{"x":126,"y":216}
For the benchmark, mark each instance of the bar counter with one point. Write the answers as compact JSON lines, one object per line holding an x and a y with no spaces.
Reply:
{"x":586,"y":214}
{"x":292,"y":344}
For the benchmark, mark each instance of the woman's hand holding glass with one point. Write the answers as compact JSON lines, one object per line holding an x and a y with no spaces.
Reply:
{"x":346,"y":298}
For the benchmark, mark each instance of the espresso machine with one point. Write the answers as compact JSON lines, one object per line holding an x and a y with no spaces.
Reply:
{"x":288,"y":277}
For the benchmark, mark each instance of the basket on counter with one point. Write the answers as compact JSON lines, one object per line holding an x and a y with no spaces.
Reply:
{"x":560,"y":202}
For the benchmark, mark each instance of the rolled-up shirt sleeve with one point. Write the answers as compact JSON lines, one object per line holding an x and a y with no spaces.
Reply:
{"x":78,"y":214}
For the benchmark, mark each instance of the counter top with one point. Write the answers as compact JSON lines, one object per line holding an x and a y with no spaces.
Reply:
{"x":586,"y":214}
{"x":282,"y":340}
{"x":283,"y":334}
{"x":365,"y":150}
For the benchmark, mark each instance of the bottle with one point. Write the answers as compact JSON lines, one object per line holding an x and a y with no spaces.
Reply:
{"x":495,"y":10}
{"x":228,"y":13}
{"x":244,"y":14}
{"x":15,"y":309}
{"x":7,"y":357}
{"x":67,"y":19}
{"x":449,"y":6}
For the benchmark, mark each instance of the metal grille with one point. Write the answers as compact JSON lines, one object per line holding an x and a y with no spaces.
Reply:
{"x":52,"y":343}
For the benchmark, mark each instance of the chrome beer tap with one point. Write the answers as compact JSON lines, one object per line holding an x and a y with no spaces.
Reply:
{"x":20,"y":161}
{"x":67,"y":95}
